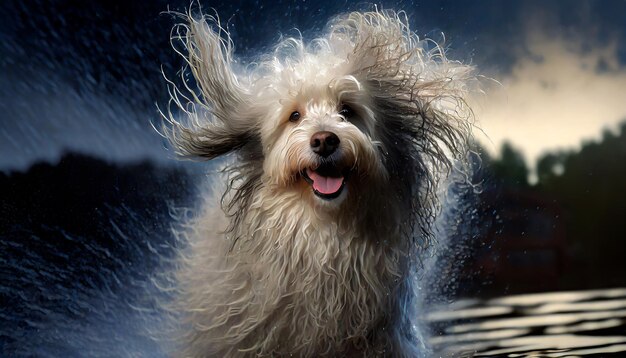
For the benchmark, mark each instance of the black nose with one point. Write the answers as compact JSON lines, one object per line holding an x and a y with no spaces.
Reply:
{"x":324,"y":143}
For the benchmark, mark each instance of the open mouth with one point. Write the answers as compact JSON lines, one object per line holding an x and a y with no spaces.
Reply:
{"x":327,"y":180}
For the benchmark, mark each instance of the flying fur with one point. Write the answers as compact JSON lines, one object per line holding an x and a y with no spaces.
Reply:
{"x":277,"y":271}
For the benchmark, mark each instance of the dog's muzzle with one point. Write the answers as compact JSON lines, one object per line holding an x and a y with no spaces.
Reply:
{"x":327,"y":179}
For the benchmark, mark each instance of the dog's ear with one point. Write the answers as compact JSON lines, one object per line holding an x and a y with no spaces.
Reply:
{"x":217,"y":122}
{"x":416,"y":91}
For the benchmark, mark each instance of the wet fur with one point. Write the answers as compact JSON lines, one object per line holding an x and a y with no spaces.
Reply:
{"x":279,"y":271}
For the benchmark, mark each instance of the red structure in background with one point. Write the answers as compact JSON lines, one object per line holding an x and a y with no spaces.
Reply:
{"x":528,"y":247}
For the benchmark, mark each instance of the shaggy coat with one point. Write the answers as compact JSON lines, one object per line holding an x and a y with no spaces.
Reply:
{"x":280,"y":269}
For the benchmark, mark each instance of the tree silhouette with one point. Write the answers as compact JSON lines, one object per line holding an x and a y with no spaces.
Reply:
{"x":510,"y":168}
{"x":590,"y":185}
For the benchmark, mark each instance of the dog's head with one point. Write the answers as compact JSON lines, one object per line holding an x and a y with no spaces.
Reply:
{"x":365,"y":110}
{"x":320,"y":137}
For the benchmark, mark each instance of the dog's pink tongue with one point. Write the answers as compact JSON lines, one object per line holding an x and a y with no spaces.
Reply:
{"x":325,"y":185}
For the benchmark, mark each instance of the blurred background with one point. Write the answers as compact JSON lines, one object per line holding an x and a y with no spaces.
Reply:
{"x":87,"y":186}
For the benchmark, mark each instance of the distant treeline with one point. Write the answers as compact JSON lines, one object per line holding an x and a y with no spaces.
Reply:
{"x":589,"y":185}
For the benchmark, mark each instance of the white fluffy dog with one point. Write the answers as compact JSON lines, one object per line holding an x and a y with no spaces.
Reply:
{"x":338,"y":148}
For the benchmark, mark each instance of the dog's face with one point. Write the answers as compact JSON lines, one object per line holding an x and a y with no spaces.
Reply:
{"x":320,"y":139}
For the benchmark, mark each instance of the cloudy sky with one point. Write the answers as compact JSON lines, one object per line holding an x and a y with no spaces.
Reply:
{"x":85,"y":76}
{"x":566,"y":87}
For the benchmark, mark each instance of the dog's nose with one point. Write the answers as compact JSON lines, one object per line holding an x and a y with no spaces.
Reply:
{"x":324,"y":143}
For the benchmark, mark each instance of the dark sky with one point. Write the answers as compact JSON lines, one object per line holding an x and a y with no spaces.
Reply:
{"x":85,"y":75}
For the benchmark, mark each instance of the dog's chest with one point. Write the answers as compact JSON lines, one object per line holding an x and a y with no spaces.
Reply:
{"x":312,"y":280}
{"x":331,"y":281}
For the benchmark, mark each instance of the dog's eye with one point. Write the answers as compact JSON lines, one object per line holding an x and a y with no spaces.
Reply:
{"x":346,"y":111}
{"x":294,"y":117}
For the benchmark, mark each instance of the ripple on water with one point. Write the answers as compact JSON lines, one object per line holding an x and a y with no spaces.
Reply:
{"x":559,"y":324}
